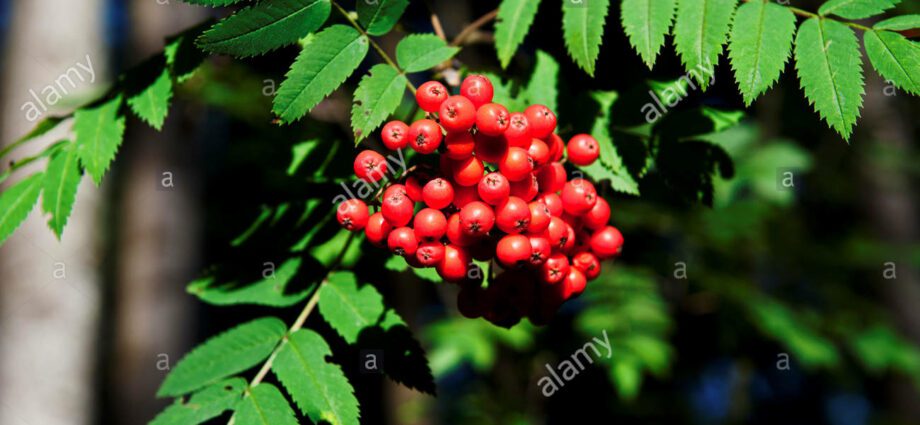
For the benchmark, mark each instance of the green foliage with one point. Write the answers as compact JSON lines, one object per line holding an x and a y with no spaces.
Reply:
{"x":327,"y":59}
{"x":347,"y":308}
{"x":899,"y":23}
{"x":223,"y":355}
{"x":583,"y":30}
{"x":319,"y":388}
{"x":760,"y":44}
{"x":458,"y":341}
{"x":856,"y":9}
{"x":152,"y":103}
{"x":830,"y":69}
{"x":647,"y":22}
{"x":266,"y":26}
{"x":274,"y":290}
{"x":379,"y":16}
{"x":543,"y":87}
{"x":203,"y":405}
{"x":700,"y":31}
{"x":418,"y":52}
{"x":60,"y":187}
{"x":98,"y":133}
{"x":609,"y":165}
{"x":17,"y":202}
{"x":264,"y":405}
{"x":895,"y":58}
{"x":511,"y":26}
{"x":378,"y":95}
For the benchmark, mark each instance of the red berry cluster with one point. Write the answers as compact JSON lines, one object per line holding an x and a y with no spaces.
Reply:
{"x":500,"y":192}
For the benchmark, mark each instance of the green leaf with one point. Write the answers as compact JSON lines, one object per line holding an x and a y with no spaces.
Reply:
{"x":647,"y":22}
{"x":299,"y":153}
{"x":320,"y":389}
{"x":212,"y":3}
{"x":203,"y":405}
{"x":379,"y":16}
{"x":327,"y":59}
{"x":700,"y":32}
{"x":183,"y":58}
{"x":899,"y":23}
{"x":16,"y":202}
{"x":609,"y":165}
{"x":830,"y":69}
{"x":264,"y":27}
{"x":270,"y":291}
{"x":377,"y":96}
{"x":419,"y":52}
{"x":511,"y":26}
{"x":98,"y":134}
{"x":895,"y":58}
{"x":583,"y":30}
{"x":347,"y":308}
{"x":224,"y":355}
{"x":264,"y":405}
{"x":44,"y":126}
{"x":856,"y":9}
{"x":761,"y":41}
{"x":60,"y":187}
{"x":151,"y":104}
{"x":542,"y":88}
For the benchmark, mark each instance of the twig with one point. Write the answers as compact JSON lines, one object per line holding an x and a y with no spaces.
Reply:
{"x":479,"y":23}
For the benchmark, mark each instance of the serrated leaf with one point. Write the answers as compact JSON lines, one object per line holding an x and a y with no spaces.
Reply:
{"x":647,"y":22}
{"x":419,"y":52}
{"x":759,"y":46}
{"x":212,"y":3}
{"x":327,"y":59}
{"x":16,"y":202}
{"x":203,"y":405}
{"x":583,"y":30}
{"x":319,"y":388}
{"x":151,"y":103}
{"x":183,"y":58}
{"x":62,"y":177}
{"x":700,"y":31}
{"x":856,"y":9}
{"x":899,"y":23}
{"x":379,"y":16}
{"x":830,"y":69}
{"x":377,"y":96}
{"x":511,"y":26}
{"x":270,"y":291}
{"x":609,"y":165}
{"x":266,"y":26}
{"x":347,"y":308}
{"x":264,"y":405}
{"x":895,"y":58}
{"x":299,"y":153}
{"x":542,"y":88}
{"x":98,"y":133}
{"x":224,"y":355}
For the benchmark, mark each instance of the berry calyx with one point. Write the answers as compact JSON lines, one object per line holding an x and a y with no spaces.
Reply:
{"x":457,"y":113}
{"x":370,"y":166}
{"x":425,"y":136}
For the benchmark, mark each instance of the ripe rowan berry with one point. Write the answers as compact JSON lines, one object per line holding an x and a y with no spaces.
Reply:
{"x":582,"y":149}
{"x":457,"y":113}
{"x":578,"y":196}
{"x":607,"y":242}
{"x":553,"y":203}
{"x":397,"y":209}
{"x":377,"y":229}
{"x":370,"y":166}
{"x":430,"y":254}
{"x":454,"y":265}
{"x":555,"y":269}
{"x":526,"y":188}
{"x":394,"y":189}
{"x":515,"y":164}
{"x":468,"y":172}
{"x":598,"y":216}
{"x":557,"y":232}
{"x":551,"y":177}
{"x":395,"y":135}
{"x":574,"y":284}
{"x":414,"y":188}
{"x":542,"y":121}
{"x":456,"y":235}
{"x":588,"y":264}
{"x":429,"y":224}
{"x":425,"y":136}
{"x":568,"y":244}
{"x":464,"y":195}
{"x":518,"y":132}
{"x":352,"y":214}
{"x":402,"y":242}
{"x":438,"y":193}
{"x":478,"y":89}
{"x":513,"y":250}
{"x":430,"y":96}
{"x":488,"y":148}
{"x":513,"y":215}
{"x":539,"y":152}
{"x":476,"y":218}
{"x":556,"y":146}
{"x":539,"y":217}
{"x":459,"y":144}
{"x":540,"y":250}
{"x":494,"y":188}
{"x":492,"y":119}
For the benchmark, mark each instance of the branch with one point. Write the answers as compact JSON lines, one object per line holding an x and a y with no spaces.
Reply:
{"x":479,"y":23}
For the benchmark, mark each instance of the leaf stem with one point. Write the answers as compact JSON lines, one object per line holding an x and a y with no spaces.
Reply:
{"x":477,"y":24}
{"x":806,"y":14}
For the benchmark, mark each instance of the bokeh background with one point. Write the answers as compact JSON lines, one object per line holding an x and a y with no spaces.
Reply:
{"x":774,"y":305}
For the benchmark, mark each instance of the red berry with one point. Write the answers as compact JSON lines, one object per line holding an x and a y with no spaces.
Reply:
{"x":352,"y":214}
{"x":476,"y":219}
{"x":515,"y":164}
{"x":513,"y":216}
{"x":542,"y":121}
{"x":459,"y":145}
{"x":539,"y":217}
{"x":588,"y":264}
{"x":430,"y":96}
{"x":454,"y":265}
{"x":555,"y":269}
{"x":578,"y":196}
{"x":557,"y":232}
{"x":556,"y":146}
{"x":425,"y":136}
{"x":397,"y":209}
{"x":468,"y":172}
{"x":402,"y":241}
{"x":553,"y":203}
{"x":568,"y":244}
{"x":456,"y":235}
{"x":539,"y":152}
{"x":492,"y":119}
{"x":518,"y":132}
{"x":574,"y":284}
{"x":395,"y":135}
{"x":370,"y":166}
{"x":540,"y":250}
{"x":494,"y":188}
{"x":526,"y":188}
{"x":478,"y":89}
{"x":490,"y":149}
{"x":551,"y":177}
{"x":607,"y":242}
{"x":582,"y":149}
{"x":598,"y":216}
{"x":438,"y":193}
{"x":457,"y":113}
{"x":430,"y":254}
{"x":464,"y":195}
{"x":414,"y":188}
{"x":429,"y":224}
{"x":394,"y":189}
{"x":513,"y":250}
{"x":377,"y":229}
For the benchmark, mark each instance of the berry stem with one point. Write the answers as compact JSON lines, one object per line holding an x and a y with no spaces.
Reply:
{"x":479,"y":23}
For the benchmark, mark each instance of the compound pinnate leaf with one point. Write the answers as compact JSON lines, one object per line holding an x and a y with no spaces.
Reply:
{"x":699,"y":33}
{"x":264,"y":27}
{"x":895,"y":58}
{"x":327,"y":59}
{"x":348,"y":308}
{"x":856,"y":9}
{"x":319,"y":388}
{"x":223,"y":355}
{"x":62,"y":178}
{"x":418,"y":52}
{"x":899,"y":23}
{"x":830,"y":69}
{"x":583,"y":30}
{"x":264,"y":405}
{"x":511,"y":26}
{"x":377,"y":96}
{"x":270,"y":291}
{"x":17,"y":202}
{"x":203,"y":405}
{"x":760,"y":44}
{"x":647,"y":22}
{"x":379,"y":16}
{"x":98,"y":134}
{"x":542,"y":89}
